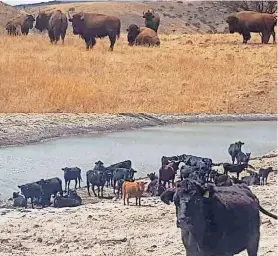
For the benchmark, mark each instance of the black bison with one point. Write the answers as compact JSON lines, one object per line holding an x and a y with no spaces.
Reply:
{"x":50,"y":187}
{"x":70,"y":200}
{"x":235,"y":168}
{"x":31,"y":190}
{"x":56,"y":23}
{"x":152,"y":19}
{"x":142,"y":36}
{"x":92,"y":25}
{"x":245,"y":22}
{"x":216,"y":220}
{"x":12,"y":30}
{"x":234,"y":149}
{"x":263,"y":175}
{"x":25,"y":22}
{"x":96,"y":177}
{"x":243,"y":158}
{"x":71,"y":173}
{"x":19,"y":200}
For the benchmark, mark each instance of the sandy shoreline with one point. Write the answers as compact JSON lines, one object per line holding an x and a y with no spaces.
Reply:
{"x":104,"y":227}
{"x":22,"y":129}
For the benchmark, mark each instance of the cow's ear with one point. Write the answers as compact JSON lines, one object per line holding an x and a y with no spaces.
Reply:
{"x":19,"y":186}
{"x":70,"y":20}
{"x":127,"y":29}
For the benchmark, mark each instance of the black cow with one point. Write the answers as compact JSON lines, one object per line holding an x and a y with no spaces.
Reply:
{"x":168,"y":172}
{"x":223,"y":180}
{"x":71,"y":173}
{"x":185,"y":170}
{"x":31,"y":190}
{"x":96,"y":177}
{"x":263,"y":175}
{"x":234,"y":149}
{"x":216,"y":220}
{"x":243,"y":158}
{"x":19,"y":200}
{"x":70,"y":200}
{"x":237,"y":168}
{"x":50,"y":187}
{"x":110,"y":170}
{"x":251,"y":180}
{"x":122,"y":173}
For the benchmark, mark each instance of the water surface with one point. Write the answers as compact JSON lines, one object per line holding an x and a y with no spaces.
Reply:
{"x":144,"y":147}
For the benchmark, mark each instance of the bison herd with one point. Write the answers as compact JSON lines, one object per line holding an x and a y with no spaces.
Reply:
{"x":90,"y":26}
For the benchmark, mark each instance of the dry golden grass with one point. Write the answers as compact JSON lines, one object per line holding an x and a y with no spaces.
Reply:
{"x":187,"y":74}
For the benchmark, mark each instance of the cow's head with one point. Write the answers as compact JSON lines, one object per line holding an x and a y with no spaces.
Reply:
{"x":188,"y":197}
{"x":64,"y":169}
{"x":132,"y":32}
{"x":77,"y":21}
{"x":29,"y":20}
{"x":233,"y":23}
{"x":15,"y":194}
{"x":42,"y":21}
{"x":148,"y":15}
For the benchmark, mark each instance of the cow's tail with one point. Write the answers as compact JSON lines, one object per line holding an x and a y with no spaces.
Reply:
{"x":267,"y":213}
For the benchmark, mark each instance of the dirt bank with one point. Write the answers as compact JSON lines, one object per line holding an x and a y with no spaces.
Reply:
{"x":106,"y":227}
{"x":21,"y":129}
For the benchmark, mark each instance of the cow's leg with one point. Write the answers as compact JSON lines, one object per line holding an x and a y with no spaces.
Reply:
{"x":75,"y":183}
{"x":237,"y":175}
{"x":136,"y":198}
{"x":88,"y":188}
{"x":124,"y":197}
{"x":273,"y":36}
{"x":66,"y":185}
{"x":92,"y":42}
{"x":32,"y":202}
{"x":102,"y":190}
{"x":139,"y":200}
{"x":51,"y":36}
{"x":112,"y":37}
{"x":253,"y":245}
{"x":127,"y":199}
{"x":93,"y":188}
{"x":233,"y":159}
{"x":79,"y":182}
{"x":114,"y":185}
{"x":246,"y":36}
{"x":265,"y":37}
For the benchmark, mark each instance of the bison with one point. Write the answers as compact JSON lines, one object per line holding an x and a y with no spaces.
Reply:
{"x":152,"y":19}
{"x":92,"y":25}
{"x":216,"y":220}
{"x":245,"y":22}
{"x":56,"y":23}
{"x":25,"y":23}
{"x":12,"y":30}
{"x":142,"y":36}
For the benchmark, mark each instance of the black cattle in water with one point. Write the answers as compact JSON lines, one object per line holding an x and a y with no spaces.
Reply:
{"x":50,"y":187}
{"x":19,"y":200}
{"x":263,"y":175}
{"x":243,"y":158}
{"x":96,"y":177}
{"x":71,"y":173}
{"x":168,"y":172}
{"x":70,"y":200}
{"x":208,"y":215}
{"x":122,"y":173}
{"x":235,"y":168}
{"x":234,"y":149}
{"x":31,"y":190}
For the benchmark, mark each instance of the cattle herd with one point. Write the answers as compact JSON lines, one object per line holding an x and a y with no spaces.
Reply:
{"x":90,"y":26}
{"x":212,"y":208}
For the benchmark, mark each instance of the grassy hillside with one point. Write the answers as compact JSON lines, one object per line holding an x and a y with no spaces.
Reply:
{"x":6,"y":13}
{"x":179,"y":17}
{"x":187,"y":74}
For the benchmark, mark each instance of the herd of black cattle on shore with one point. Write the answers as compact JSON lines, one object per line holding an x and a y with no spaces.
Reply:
{"x":200,"y":169}
{"x":90,"y":26}
{"x":217,"y":214}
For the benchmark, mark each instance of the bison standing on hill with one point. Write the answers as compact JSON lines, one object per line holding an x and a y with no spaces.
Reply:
{"x":92,"y":25}
{"x":142,"y":36}
{"x":152,"y":19}
{"x":56,"y":23}
{"x":24,"y":22}
{"x":248,"y":21}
